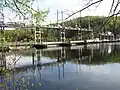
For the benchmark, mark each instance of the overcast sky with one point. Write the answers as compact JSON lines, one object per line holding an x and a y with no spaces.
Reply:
{"x":72,"y":5}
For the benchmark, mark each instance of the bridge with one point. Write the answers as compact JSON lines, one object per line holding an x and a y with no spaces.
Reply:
{"x":38,"y":30}
{"x":39,"y":43}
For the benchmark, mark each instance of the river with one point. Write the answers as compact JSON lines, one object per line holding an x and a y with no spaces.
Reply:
{"x":85,"y":67}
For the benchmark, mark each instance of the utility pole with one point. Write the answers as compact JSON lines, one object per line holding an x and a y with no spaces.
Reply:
{"x":57,"y":16}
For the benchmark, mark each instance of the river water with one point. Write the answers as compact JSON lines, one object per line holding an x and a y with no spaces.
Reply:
{"x":89,"y":67}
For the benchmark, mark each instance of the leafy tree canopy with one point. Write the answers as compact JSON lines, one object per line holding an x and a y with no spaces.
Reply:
{"x":24,"y":8}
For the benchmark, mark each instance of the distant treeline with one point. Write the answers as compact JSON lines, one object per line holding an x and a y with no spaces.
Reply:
{"x":97,"y":23}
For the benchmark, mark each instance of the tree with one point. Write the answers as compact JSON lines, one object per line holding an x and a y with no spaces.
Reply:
{"x":113,"y":12}
{"x":23,"y":8}
{"x":39,"y":16}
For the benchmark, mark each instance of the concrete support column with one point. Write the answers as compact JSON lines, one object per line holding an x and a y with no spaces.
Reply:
{"x":79,"y":33}
{"x":63,"y":38}
{"x":38,"y":36}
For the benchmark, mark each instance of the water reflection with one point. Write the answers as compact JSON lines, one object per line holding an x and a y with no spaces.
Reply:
{"x":89,"y":67}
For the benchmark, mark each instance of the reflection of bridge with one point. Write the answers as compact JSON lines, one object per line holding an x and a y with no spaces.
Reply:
{"x":61,"y":59}
{"x":76,"y":55}
{"x":84,"y":54}
{"x":59,"y":62}
{"x":62,"y":54}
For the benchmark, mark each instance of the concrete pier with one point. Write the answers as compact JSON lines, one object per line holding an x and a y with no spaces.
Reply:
{"x":39,"y":46}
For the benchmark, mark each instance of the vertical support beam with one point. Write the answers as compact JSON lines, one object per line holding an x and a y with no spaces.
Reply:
{"x":57,"y":25}
{"x":79,"y":33}
{"x":89,"y":27}
{"x":63,"y":39}
{"x":80,"y":29}
{"x":38,"y":36}
{"x":63,"y":35}
{"x":35,"y":37}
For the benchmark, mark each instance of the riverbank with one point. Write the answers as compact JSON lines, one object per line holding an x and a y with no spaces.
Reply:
{"x":28,"y":45}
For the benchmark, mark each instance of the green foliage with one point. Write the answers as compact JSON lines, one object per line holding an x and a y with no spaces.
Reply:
{"x":97,"y":23}
{"x":39,"y":16}
{"x":4,"y":72}
{"x":18,"y":35}
{"x":23,"y":9}
{"x":18,"y":6}
{"x":23,"y":35}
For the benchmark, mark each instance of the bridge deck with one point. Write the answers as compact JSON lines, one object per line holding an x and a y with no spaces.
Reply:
{"x":68,"y":28}
{"x":49,"y":27}
{"x":57,"y":43}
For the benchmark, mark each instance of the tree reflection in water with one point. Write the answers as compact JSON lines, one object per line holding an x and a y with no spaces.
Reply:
{"x":53,"y":62}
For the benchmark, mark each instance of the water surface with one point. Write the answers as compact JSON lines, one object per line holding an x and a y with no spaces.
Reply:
{"x":91,"y":67}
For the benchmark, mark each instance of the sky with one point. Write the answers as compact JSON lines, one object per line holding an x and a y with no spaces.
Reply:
{"x":67,"y":6}
{"x":72,"y":6}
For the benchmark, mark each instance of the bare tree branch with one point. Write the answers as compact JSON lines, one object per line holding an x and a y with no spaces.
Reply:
{"x":118,"y":2}
{"x":107,"y":19}
{"x":111,"y":7}
{"x":18,"y":8}
{"x":27,"y":6}
{"x":84,"y":8}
